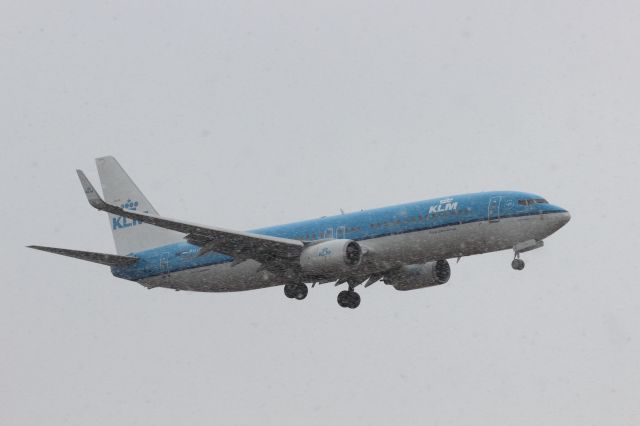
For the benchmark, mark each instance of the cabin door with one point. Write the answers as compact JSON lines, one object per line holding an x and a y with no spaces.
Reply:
{"x":164,"y":264}
{"x":494,"y":209}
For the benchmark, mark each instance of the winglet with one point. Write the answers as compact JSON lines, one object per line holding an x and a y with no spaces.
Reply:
{"x":91,"y":193}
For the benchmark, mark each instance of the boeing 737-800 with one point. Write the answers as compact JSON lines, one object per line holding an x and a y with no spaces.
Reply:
{"x":406,"y":246}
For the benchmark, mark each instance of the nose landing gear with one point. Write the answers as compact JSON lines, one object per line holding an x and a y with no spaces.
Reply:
{"x":296,"y":291}
{"x":517,"y":263}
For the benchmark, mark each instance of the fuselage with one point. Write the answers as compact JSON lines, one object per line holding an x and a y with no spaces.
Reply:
{"x":435,"y":229}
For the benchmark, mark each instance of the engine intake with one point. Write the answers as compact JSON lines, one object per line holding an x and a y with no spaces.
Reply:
{"x":330,"y":258}
{"x":412,"y":277}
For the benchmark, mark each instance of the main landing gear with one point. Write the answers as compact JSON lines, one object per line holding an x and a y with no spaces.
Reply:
{"x":346,"y":299}
{"x":296,"y":291}
{"x":349,"y":299}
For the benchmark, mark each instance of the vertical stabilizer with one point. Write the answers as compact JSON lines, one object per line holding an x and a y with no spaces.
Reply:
{"x":130,"y":236}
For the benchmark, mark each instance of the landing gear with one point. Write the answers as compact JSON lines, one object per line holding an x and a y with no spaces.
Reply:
{"x":517,"y":264}
{"x":349,"y":299}
{"x":296,"y":291}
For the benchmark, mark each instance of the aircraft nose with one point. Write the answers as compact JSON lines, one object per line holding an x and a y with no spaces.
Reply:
{"x":565,"y":217}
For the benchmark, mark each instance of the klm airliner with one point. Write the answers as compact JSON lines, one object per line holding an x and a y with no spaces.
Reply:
{"x":406,"y":246}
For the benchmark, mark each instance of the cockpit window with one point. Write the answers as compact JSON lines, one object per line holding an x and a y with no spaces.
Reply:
{"x":532,"y":201}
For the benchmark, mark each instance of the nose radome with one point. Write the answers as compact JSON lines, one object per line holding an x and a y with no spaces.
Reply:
{"x":565,"y":217}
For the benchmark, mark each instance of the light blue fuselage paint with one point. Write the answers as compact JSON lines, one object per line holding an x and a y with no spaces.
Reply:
{"x":357,"y":226}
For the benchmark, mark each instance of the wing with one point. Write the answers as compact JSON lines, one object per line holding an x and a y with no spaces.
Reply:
{"x":262,"y":248}
{"x":101,"y":258}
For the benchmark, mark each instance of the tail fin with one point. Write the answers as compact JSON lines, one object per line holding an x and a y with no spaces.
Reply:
{"x":130,"y":236}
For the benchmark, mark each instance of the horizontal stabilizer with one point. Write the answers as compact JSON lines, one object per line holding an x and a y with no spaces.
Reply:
{"x":101,"y":258}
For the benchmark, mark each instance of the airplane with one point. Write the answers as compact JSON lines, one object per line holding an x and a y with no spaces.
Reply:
{"x":407,"y":246}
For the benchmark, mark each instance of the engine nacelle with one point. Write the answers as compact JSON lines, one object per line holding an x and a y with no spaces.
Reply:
{"x":411,"y":277}
{"x":331,"y":257}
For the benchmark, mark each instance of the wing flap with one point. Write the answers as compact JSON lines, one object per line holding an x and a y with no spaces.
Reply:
{"x":101,"y":258}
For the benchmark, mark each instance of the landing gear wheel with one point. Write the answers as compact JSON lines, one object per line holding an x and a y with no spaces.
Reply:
{"x":349,"y":299}
{"x":517,"y":264}
{"x":289,"y":290}
{"x":343,"y":298}
{"x":301,"y":291}
{"x":355,"y":300}
{"x":296,"y":291}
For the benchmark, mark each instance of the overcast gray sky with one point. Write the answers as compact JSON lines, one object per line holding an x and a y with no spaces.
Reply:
{"x":242,"y":114}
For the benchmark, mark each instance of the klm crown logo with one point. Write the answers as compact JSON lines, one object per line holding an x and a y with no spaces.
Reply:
{"x":130,"y":205}
{"x":120,"y":222}
{"x":324,"y":252}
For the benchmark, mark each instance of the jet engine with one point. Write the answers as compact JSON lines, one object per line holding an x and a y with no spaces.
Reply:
{"x":331,"y":257}
{"x":411,"y":277}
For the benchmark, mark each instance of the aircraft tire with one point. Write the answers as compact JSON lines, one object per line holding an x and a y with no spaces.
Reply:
{"x":344,"y":298}
{"x":290,"y":290}
{"x":517,"y":264}
{"x":354,"y":301}
{"x":301,"y":291}
{"x":348,"y":299}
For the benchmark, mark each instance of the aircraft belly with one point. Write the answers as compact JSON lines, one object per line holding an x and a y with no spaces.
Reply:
{"x":216,"y":278}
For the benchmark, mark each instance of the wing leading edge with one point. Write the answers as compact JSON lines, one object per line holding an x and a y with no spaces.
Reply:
{"x":262,"y":248}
